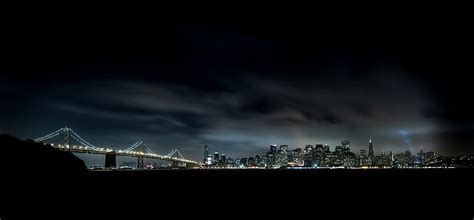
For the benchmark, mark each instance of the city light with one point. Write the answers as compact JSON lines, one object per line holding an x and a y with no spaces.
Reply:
{"x":320,"y":156}
{"x":317,"y":156}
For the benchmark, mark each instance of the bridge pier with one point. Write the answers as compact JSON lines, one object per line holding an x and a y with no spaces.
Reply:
{"x":110,"y":160}
{"x":174,"y":164}
{"x":140,"y":164}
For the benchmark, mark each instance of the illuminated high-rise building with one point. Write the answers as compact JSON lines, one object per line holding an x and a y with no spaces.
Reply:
{"x":282,"y":155}
{"x":222,"y":160}
{"x":216,"y":158}
{"x":346,"y":147}
{"x":327,"y":149}
{"x":346,"y":143}
{"x":273,"y":148}
{"x":296,"y":156}
{"x":308,"y":154}
{"x":308,"y":149}
{"x":206,"y":154}
{"x":371,"y":150}
{"x":363,"y":157}
{"x":271,"y":156}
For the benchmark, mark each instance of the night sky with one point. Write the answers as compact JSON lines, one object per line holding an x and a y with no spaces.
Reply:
{"x":242,"y":81}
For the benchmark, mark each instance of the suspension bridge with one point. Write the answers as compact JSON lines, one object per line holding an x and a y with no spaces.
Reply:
{"x":138,"y":149}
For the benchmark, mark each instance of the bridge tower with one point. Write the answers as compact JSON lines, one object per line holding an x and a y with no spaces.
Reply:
{"x":67,"y":137}
{"x":140,"y":147}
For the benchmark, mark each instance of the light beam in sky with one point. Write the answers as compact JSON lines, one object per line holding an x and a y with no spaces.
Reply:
{"x":407,"y":139}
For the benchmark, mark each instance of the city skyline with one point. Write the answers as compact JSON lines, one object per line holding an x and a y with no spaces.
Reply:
{"x":66,"y":138}
{"x":319,"y":156}
{"x":341,"y":156}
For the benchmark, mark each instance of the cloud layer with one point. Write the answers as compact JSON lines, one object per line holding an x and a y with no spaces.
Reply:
{"x":241,"y":86}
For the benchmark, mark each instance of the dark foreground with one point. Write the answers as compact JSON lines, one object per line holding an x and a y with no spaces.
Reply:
{"x":40,"y":182}
{"x":263,"y":192}
{"x":337,"y":179}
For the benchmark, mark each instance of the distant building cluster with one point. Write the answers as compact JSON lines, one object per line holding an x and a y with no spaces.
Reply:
{"x":321,"y":156}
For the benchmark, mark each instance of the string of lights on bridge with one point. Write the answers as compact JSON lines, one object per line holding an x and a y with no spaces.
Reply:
{"x":138,"y":149}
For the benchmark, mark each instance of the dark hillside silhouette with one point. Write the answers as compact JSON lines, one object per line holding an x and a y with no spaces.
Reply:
{"x":19,"y":156}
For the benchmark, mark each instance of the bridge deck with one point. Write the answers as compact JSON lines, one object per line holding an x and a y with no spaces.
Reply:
{"x":88,"y":150}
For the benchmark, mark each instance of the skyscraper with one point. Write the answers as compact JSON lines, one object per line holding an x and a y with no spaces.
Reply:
{"x":296,"y":155}
{"x":338,"y":150}
{"x":284,"y":147}
{"x":206,"y":154}
{"x":216,"y":158}
{"x":421,"y":155}
{"x":338,"y":156}
{"x":308,"y":154}
{"x":282,"y":155}
{"x":308,"y":149}
{"x":271,"y":156}
{"x":222,"y":160}
{"x":371,"y":150}
{"x":363,"y":158}
{"x":273,"y":148}
{"x":346,"y":147}
{"x":327,"y":150}
{"x":346,"y":143}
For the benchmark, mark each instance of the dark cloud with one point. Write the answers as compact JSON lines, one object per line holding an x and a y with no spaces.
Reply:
{"x":240,"y":85}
